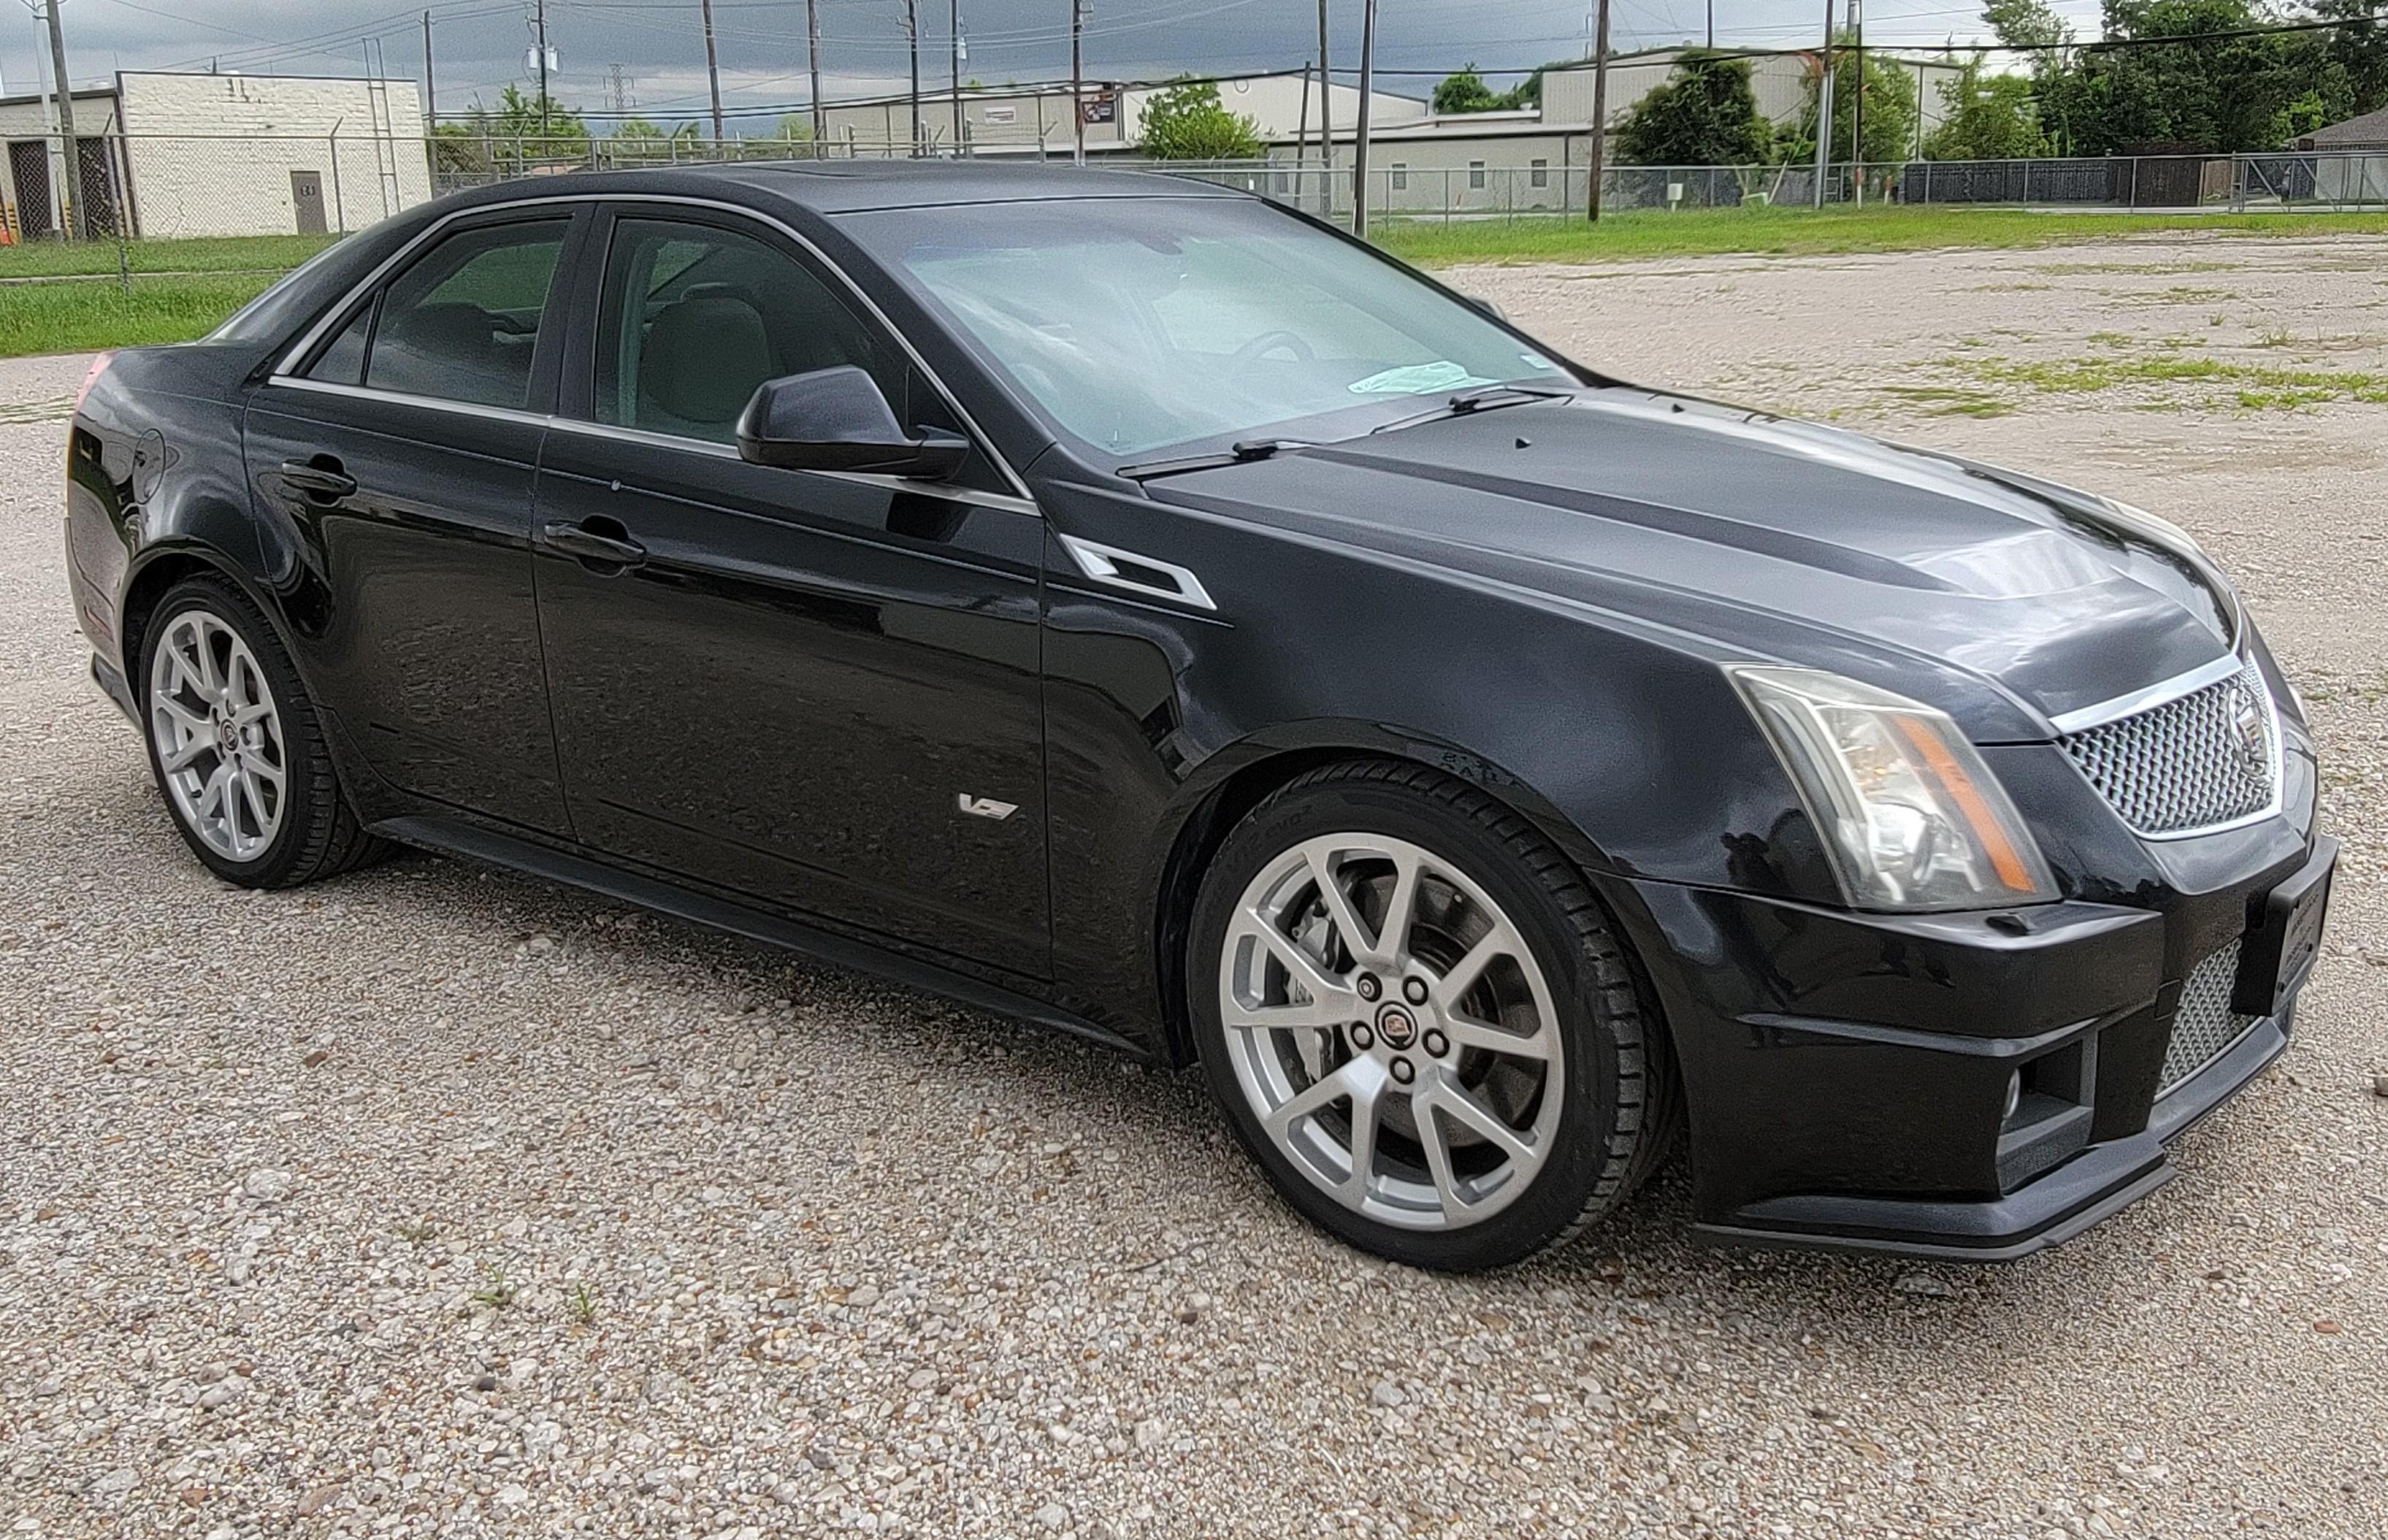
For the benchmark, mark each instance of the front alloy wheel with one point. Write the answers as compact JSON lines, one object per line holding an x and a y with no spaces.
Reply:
{"x":1416,"y":1017}
{"x":1392,"y":1031}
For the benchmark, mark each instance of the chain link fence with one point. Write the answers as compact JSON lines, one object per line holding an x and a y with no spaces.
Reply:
{"x":134,"y":188}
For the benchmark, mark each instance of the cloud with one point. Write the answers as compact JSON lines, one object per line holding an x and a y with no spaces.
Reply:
{"x":480,"y":44}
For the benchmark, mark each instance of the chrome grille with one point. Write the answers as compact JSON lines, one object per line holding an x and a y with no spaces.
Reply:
{"x":2205,"y":1027}
{"x":2208,"y":757}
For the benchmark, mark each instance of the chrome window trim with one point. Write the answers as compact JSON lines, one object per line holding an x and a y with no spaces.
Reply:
{"x":2159,"y":694}
{"x":405,"y":397}
{"x":719,"y":451}
{"x":292,"y":357}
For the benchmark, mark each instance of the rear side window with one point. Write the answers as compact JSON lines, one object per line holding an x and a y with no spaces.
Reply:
{"x":460,"y":325}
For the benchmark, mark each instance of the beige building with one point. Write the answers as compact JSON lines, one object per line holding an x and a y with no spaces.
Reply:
{"x":1037,"y":120}
{"x":1540,"y":158}
{"x":165,"y":155}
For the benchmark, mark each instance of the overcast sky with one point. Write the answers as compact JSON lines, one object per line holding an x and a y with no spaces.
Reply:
{"x":658,"y":44}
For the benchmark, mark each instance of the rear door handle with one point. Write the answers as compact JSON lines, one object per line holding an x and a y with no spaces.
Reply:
{"x":318,"y":479}
{"x":597,"y":546}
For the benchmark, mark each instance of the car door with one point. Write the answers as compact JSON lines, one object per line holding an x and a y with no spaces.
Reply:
{"x":399,"y":449}
{"x":821,"y":690}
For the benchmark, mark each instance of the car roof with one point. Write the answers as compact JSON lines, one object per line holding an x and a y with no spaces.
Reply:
{"x":851,"y":187}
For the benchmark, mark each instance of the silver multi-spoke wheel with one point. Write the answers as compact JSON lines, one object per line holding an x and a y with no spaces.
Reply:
{"x":1392,"y":1031}
{"x":219,"y":738}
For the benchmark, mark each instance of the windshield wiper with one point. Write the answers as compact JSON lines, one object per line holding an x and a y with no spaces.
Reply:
{"x":1481,"y":398}
{"x":1241,"y":452}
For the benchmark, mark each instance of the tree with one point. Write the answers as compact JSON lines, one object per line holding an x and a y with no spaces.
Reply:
{"x":1986,"y":118}
{"x":1465,"y":91}
{"x":1890,"y":112}
{"x":1188,"y":121}
{"x":2215,"y":92}
{"x":1703,"y":114}
{"x":636,"y":141}
{"x":2361,"y":52}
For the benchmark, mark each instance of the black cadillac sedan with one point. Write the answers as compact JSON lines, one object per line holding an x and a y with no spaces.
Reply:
{"x":1133,"y":605}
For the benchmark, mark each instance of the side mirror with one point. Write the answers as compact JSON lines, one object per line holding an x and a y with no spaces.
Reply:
{"x":837,"y":420}
{"x":1490,"y":307}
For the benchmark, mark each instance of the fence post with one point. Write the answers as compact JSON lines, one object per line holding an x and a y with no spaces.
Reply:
{"x":2026,"y":181}
{"x":117,"y":214}
{"x":339,"y":203}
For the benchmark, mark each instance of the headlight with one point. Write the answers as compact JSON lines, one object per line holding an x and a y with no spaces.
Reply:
{"x":1910,"y":815}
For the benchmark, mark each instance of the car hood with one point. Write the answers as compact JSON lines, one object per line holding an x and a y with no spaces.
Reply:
{"x":2003,"y":600}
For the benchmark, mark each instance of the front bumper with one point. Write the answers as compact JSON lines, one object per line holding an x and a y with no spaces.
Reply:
{"x":1848,"y":1076}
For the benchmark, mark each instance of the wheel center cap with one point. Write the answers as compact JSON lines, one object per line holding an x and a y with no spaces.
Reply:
{"x":227,"y":737}
{"x":1396,"y":1026}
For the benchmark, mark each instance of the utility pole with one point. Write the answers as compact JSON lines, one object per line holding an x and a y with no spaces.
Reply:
{"x":70,"y":200}
{"x":1077,"y":81}
{"x":712,"y":73}
{"x":542,"y":72}
{"x":430,"y":86}
{"x":913,"y":31}
{"x":1857,"y":106}
{"x":953,"y":27}
{"x":812,"y":45}
{"x":1360,"y":130}
{"x":1712,"y":23}
{"x":1825,"y":109}
{"x":1326,"y":121}
{"x":1600,"y":113}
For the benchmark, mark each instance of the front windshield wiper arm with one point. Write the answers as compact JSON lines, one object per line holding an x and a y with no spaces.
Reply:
{"x":1240,"y":452}
{"x":1481,"y":398}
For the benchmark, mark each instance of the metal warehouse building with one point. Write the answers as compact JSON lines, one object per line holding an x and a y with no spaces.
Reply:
{"x":162,"y":155}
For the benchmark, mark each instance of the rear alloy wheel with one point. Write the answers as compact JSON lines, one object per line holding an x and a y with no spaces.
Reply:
{"x":236,"y":746}
{"x":1416,"y":1019}
{"x":221,"y":756}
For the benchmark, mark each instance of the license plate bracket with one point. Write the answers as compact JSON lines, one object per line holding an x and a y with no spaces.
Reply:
{"x":2285,"y":937}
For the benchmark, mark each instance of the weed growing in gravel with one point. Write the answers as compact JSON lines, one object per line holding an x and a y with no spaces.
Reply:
{"x":2275,"y":337}
{"x":2252,"y":386}
{"x":416,"y":1233}
{"x":497,"y":1291}
{"x":584,"y":1304}
{"x":1951,"y":401}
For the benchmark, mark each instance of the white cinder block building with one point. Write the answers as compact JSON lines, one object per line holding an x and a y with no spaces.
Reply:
{"x":172,"y":154}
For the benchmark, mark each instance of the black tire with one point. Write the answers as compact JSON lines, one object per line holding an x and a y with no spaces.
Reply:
{"x":1617,"y":1116}
{"x":319,"y":836}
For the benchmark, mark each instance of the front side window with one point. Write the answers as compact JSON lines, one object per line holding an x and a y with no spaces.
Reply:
{"x":461,"y":324}
{"x":1142,"y":323}
{"x":695,"y":316}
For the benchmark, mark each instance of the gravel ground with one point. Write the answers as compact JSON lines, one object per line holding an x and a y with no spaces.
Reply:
{"x":435,"y":1201}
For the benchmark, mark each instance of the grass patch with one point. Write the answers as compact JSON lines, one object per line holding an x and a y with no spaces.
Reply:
{"x":1804,"y":232}
{"x":2253,"y":386}
{"x":84,"y":316}
{"x":201,"y":254}
{"x":1942,"y":401}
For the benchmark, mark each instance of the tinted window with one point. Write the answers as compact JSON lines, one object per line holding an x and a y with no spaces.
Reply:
{"x":462,"y":324}
{"x":342,"y":361}
{"x":1140,"y":323}
{"x":695,"y":317}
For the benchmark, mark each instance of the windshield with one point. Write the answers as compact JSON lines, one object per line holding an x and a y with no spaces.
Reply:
{"x":1144,"y":324}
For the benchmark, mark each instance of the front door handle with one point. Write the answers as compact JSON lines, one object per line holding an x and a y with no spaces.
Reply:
{"x":601,"y":543}
{"x":320,"y":477}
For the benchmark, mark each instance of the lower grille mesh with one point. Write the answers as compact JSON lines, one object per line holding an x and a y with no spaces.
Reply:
{"x":2205,"y":1027}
